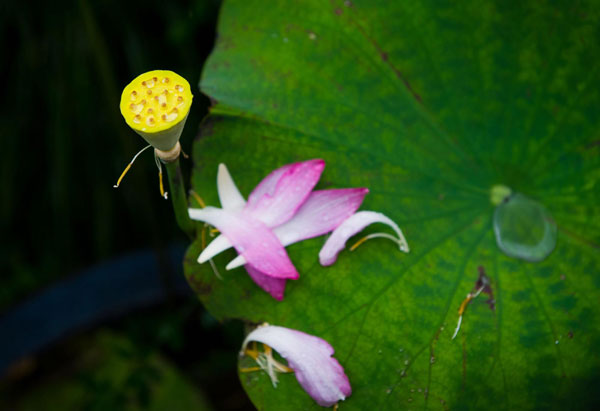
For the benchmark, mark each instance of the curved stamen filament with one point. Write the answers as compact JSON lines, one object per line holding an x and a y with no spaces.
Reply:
{"x":163,"y":193}
{"x":402,"y":244}
{"x":196,"y":197}
{"x":214,"y":268}
{"x":463,"y":307}
{"x":129,"y":166}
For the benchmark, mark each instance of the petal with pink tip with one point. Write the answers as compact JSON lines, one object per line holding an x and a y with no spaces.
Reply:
{"x":268,"y":184}
{"x":337,"y":241}
{"x":272,"y":285}
{"x":229,"y":195}
{"x":275,"y":200}
{"x":251,"y":238}
{"x":321,"y":213}
{"x":321,"y":375}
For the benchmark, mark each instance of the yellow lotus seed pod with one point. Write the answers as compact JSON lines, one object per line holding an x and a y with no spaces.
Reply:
{"x":156,"y":105}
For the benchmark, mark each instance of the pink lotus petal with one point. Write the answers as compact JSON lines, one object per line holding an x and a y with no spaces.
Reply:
{"x":337,"y":241}
{"x":251,"y":238}
{"x":269,"y":183}
{"x":229,"y":195}
{"x":272,"y":285}
{"x":321,"y":213}
{"x":231,"y":199}
{"x":275,"y":200}
{"x":321,"y":375}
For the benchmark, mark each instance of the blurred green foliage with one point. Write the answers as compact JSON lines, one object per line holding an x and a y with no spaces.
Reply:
{"x":174,"y":356}
{"x":111,"y":373}
{"x":64,"y":142}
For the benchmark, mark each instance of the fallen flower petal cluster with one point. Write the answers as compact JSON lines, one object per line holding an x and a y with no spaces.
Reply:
{"x":311,"y":359}
{"x":283,"y":209}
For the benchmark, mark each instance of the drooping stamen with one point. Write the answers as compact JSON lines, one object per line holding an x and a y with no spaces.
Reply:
{"x":197,"y":198}
{"x":129,"y":166}
{"x":163,"y":193}
{"x":214,"y":268}
{"x":463,"y":307}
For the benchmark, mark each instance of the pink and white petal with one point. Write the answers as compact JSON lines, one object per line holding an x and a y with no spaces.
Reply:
{"x":357,"y":222}
{"x":272,"y":285}
{"x":216,"y":246}
{"x":322,"y":212}
{"x":268,"y":184}
{"x":251,"y":238}
{"x":229,"y":195}
{"x":277,"y":198}
{"x":321,"y":375}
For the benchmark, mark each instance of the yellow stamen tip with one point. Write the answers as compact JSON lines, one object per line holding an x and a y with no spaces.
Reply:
{"x":359,"y":242}
{"x":129,"y":166}
{"x":163,"y":193}
{"x":250,"y":369}
{"x":122,"y":175}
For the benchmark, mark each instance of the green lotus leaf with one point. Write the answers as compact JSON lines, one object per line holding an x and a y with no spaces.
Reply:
{"x":432,"y":106}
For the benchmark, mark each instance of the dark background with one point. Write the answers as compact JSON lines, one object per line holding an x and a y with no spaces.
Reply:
{"x":64,"y":144}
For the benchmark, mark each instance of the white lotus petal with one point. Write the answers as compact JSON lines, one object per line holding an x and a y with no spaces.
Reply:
{"x":216,"y":246}
{"x":237,"y":262}
{"x":321,"y":375}
{"x":229,"y":195}
{"x":337,"y":241}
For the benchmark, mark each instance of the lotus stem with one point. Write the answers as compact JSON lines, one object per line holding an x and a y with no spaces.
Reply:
{"x":179,"y":198}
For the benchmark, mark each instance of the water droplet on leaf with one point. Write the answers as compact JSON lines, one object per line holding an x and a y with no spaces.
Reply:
{"x":524,"y":228}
